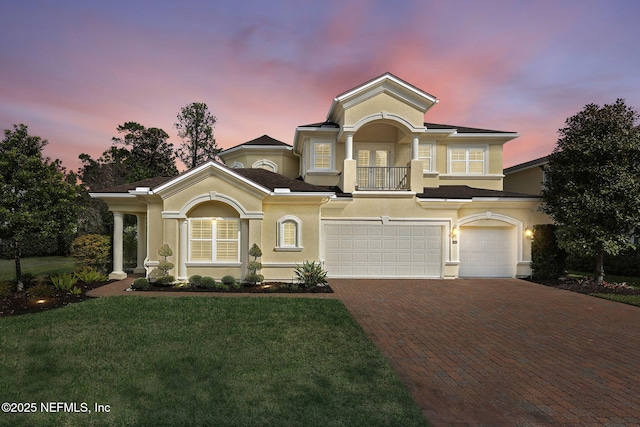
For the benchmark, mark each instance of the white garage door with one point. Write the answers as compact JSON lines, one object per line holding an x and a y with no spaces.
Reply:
{"x":383,"y":250}
{"x":487,"y":252}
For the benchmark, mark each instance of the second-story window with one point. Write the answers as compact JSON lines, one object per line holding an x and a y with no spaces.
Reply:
{"x":322,"y":152}
{"x":467,"y":160}
{"x":425,"y":153}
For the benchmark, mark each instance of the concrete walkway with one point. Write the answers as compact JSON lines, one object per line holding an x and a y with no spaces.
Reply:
{"x":504,"y":352}
{"x":496,"y":352}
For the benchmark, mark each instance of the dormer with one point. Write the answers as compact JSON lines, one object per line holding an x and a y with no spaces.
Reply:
{"x":264,"y":152}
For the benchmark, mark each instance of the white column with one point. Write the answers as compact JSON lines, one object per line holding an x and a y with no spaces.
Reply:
{"x":414,"y":147}
{"x":348,"y":147}
{"x":183,"y":249}
{"x":118,"y":228}
{"x":141,"y":251}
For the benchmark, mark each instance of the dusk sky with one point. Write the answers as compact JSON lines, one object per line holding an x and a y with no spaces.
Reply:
{"x":73,"y":70}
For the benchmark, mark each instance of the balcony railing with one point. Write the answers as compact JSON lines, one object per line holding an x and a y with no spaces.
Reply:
{"x":382,"y":178}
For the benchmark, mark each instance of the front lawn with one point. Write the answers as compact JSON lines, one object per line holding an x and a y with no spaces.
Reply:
{"x":38,"y":266}
{"x":627,"y":299}
{"x":199,"y":361}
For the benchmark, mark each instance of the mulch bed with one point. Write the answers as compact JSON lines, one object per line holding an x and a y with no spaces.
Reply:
{"x":20,"y":303}
{"x":264,"y":288}
{"x":588,"y":286}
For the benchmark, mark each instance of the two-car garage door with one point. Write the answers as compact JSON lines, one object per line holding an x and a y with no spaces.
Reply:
{"x":368,"y":249}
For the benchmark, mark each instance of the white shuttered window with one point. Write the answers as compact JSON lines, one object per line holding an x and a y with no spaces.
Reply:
{"x":214,"y":240}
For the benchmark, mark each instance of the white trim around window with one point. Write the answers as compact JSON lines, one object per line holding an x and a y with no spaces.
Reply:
{"x":426,"y":153}
{"x":467,"y":159}
{"x":323,"y":156}
{"x":289,"y":234}
{"x":214,"y":241}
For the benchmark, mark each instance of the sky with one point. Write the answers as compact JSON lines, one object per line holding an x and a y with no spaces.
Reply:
{"x":73,"y":70}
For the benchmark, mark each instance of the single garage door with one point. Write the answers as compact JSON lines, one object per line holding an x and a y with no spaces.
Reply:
{"x":382,"y":250}
{"x":487,"y":252}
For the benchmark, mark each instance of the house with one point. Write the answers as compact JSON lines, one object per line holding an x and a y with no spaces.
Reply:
{"x":528,"y":177}
{"x":371,"y":191}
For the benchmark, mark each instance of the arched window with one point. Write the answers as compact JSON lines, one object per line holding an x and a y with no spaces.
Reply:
{"x":265,"y":164}
{"x":236,"y":165}
{"x":289,"y":234}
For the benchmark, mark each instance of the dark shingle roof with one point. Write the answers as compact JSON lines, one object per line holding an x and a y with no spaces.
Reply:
{"x":273,"y":180}
{"x":463,"y":129}
{"x":531,"y":163}
{"x":466,"y":192}
{"x":125,"y":188}
{"x":264,"y":140}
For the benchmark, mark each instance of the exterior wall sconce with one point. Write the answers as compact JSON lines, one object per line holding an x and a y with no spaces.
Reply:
{"x":454,"y":234}
{"x":528,"y":233}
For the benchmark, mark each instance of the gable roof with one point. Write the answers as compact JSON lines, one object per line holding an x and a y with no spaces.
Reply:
{"x":262,"y":178}
{"x":263,"y":140}
{"x":466,"y":192}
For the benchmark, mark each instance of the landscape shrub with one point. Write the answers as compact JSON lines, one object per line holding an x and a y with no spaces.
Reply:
{"x":228,"y":280}
{"x":41,"y":290}
{"x":253,"y":266}
{"x":165,"y":251}
{"x":310,"y":274}
{"x":91,"y":250}
{"x":29,"y":279}
{"x":64,"y":281}
{"x":222,"y":286}
{"x":195,"y":280}
{"x":165,"y":280}
{"x":140,"y":284}
{"x":90,"y":275}
{"x":208,"y":282}
{"x":548,"y":260}
{"x":6,"y":289}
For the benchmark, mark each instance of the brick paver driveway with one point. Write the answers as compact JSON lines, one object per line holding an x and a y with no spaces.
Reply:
{"x":504,"y":351}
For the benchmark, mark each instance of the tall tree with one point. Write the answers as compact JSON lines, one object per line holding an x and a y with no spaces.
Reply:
{"x":139,"y":154}
{"x":593,"y":186}
{"x":150,"y":154}
{"x":195,"y":127}
{"x":35,"y":198}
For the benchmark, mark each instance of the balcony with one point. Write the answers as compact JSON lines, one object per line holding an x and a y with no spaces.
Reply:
{"x":393,"y":178}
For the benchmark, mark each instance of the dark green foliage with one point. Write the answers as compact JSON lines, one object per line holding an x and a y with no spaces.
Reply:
{"x":195,"y":127}
{"x":548,"y":260}
{"x":208,"y":282}
{"x":36,"y":201}
{"x":253,"y":266}
{"x":228,"y":280}
{"x":311,"y":274}
{"x":91,"y":250}
{"x":41,"y":290}
{"x":29,"y":279}
{"x":140,"y":284}
{"x":6,"y":289}
{"x":64,"y":281}
{"x":592,"y":190}
{"x":222,"y":286}
{"x":195,"y":280}
{"x":165,"y":280}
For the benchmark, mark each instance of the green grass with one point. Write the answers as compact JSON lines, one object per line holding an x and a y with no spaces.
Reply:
{"x":39,"y":266}
{"x":200,"y":361}
{"x":611,"y":278}
{"x":627,"y":299}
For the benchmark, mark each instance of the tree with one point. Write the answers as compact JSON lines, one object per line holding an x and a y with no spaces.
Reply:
{"x":195,"y":127}
{"x":150,"y":155}
{"x":139,"y":154}
{"x":35,"y":198}
{"x":593,"y":184}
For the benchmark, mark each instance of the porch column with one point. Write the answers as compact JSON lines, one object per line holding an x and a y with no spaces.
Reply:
{"x":348,"y":147}
{"x":118,"y":228}
{"x":414,"y":147}
{"x":183,"y":249}
{"x":141,"y":250}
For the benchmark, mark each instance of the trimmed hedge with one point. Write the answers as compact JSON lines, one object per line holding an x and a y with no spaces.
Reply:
{"x":548,"y":261}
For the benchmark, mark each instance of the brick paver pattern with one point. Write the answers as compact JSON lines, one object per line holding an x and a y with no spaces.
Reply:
{"x":494,"y":352}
